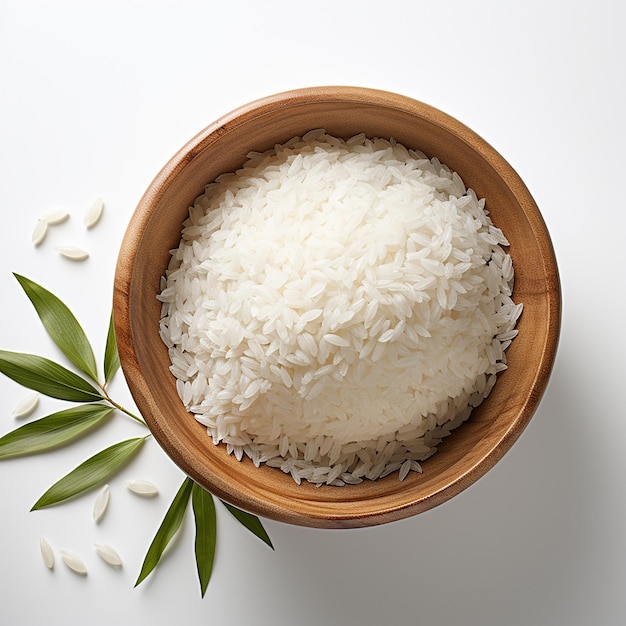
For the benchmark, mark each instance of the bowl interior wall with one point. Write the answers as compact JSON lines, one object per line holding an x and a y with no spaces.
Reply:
{"x":156,"y":228}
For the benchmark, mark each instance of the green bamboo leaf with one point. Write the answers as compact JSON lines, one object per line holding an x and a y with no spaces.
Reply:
{"x":111,"y":356}
{"x":206,"y":533}
{"x":62,"y":327}
{"x":52,"y":431}
{"x":95,"y":470}
{"x":47,"y":377}
{"x":170,"y":524}
{"x":251,"y":522}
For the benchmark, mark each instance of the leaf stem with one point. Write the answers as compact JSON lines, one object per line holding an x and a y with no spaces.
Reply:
{"x":119,"y":407}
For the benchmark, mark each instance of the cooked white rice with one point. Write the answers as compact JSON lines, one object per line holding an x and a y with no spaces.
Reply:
{"x":335,"y":308}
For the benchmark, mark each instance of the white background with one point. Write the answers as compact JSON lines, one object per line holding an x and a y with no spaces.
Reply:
{"x":96,"y":96}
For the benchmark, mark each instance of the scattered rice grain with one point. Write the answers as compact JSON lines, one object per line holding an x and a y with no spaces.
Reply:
{"x":108,"y":554}
{"x":46,"y":552}
{"x":54,"y":218}
{"x":143,"y":488}
{"x":26,"y":406}
{"x":94,"y":213}
{"x":101,"y":503}
{"x":74,"y":562}
{"x":39,"y":232}
{"x":72,"y":252}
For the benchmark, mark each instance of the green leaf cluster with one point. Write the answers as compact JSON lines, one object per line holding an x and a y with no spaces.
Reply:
{"x":52,"y":379}
{"x":94,"y":407}
{"x":206,"y":530}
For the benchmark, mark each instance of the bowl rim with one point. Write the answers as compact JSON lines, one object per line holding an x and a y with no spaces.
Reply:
{"x":335,"y":94}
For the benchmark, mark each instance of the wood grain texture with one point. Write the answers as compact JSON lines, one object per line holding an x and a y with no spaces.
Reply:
{"x":343,"y":111}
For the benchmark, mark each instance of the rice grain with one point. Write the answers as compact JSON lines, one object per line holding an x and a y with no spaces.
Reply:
{"x":108,"y":554}
{"x":101,"y":503}
{"x":26,"y":406}
{"x":143,"y":488}
{"x":39,"y":232}
{"x":74,"y":562}
{"x":46,"y":552}
{"x":94,"y":213}
{"x":72,"y":252}
{"x":54,"y":218}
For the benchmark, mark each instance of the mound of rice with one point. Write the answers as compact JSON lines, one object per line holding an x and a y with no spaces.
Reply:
{"x":335,"y":308}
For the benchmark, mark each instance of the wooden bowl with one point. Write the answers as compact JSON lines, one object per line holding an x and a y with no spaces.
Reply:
{"x":155,"y":228}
